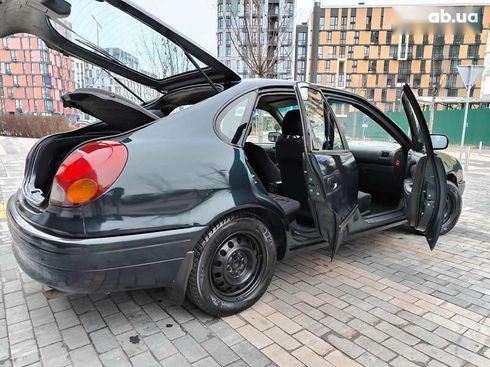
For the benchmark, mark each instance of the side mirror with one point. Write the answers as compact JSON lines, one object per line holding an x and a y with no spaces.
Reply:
{"x":439,"y":142}
{"x":273,"y":136}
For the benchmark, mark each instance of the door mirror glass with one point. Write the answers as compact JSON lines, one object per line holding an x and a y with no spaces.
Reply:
{"x":273,"y":136}
{"x":439,"y":142}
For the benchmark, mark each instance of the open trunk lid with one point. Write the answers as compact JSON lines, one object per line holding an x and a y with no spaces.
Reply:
{"x":115,"y":34}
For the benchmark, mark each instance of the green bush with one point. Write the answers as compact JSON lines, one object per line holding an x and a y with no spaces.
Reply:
{"x":29,"y":126}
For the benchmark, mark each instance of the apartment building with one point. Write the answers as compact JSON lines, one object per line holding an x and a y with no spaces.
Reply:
{"x":32,"y":77}
{"x":301,"y":52}
{"x":365,"y":50}
{"x":276,"y":17}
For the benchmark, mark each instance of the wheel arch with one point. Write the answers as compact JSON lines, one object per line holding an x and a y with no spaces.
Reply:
{"x":274,"y":221}
{"x":452,"y":178}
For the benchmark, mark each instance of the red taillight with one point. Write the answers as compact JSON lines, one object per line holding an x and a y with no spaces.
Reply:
{"x":87,"y":173}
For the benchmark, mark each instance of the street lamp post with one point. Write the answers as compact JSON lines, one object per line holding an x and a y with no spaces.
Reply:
{"x":469,"y":74}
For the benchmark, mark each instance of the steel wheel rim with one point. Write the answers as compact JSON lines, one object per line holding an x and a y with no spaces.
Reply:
{"x":236,"y":265}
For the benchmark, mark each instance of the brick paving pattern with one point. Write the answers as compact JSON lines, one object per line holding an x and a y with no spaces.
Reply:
{"x":385,"y":300}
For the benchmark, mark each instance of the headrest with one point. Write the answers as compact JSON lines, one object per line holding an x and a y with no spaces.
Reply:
{"x":291,"y":124}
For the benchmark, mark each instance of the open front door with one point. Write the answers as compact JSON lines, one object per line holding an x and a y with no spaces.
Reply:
{"x":425,"y":189}
{"x":331,"y":171}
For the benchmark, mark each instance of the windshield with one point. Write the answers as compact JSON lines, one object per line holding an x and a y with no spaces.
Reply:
{"x":116,"y":35}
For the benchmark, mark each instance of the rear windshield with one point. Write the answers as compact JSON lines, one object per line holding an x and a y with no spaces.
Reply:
{"x":101,"y":28}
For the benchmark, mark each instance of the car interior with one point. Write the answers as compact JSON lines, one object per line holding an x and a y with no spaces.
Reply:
{"x":278,"y":164}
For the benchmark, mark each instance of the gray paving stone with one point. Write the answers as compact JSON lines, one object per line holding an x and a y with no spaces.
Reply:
{"x":189,"y":348}
{"x":131,"y":343}
{"x":47,"y":334}
{"x":144,"y":359}
{"x":85,"y":357}
{"x":160,"y":346}
{"x":220,"y":351}
{"x":176,"y":360}
{"x":55,"y":355}
{"x":75,"y":337}
{"x":250,"y":354}
{"x":115,"y":358}
{"x":103,"y":340}
{"x":92,"y":321}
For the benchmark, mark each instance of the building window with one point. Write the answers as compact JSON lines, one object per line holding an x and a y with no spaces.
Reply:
{"x":342,"y":37}
{"x":366,"y":52}
{"x":372,"y":66}
{"x":383,"y":94}
{"x":352,"y":22}
{"x":393,"y":51}
{"x":8,"y":68}
{"x":16,"y":81}
{"x":220,"y":23}
{"x":458,"y":38}
{"x":220,"y":38}
{"x":356,"y":37}
{"x":320,"y":52}
{"x":386,"y":66}
{"x":327,"y":66}
{"x":322,"y":23}
{"x":332,"y":52}
{"x":391,"y":80}
{"x":301,"y":39}
{"x":329,"y":38}
{"x":422,"y":66}
{"x":426,"y":39}
{"x":419,"y":51}
{"x":389,"y":36}
{"x":368,"y":22}
{"x":5,"y":42}
{"x":342,"y":51}
{"x":403,"y":46}
{"x":13,"y":55}
{"x":453,"y":51}
{"x":354,"y":66}
{"x":473,"y":51}
{"x":330,"y":80}
{"x":220,"y":10}
{"x":416,"y":81}
{"x":351,"y":51}
{"x":437,"y":52}
{"x":375,"y":37}
{"x":334,"y":21}
{"x":343,"y":24}
{"x":370,"y":94}
{"x":18,"y":105}
{"x":228,"y":51}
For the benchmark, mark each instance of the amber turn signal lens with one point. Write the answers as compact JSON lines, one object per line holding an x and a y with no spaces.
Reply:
{"x":81,"y":191}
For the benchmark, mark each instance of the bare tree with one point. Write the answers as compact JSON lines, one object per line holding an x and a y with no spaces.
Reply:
{"x":262,"y":37}
{"x":163,"y":57}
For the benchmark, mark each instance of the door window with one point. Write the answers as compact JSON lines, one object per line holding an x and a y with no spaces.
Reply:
{"x":233,"y":120}
{"x":320,"y":121}
{"x":416,"y":129}
{"x":357,"y":125}
{"x":262,"y":123}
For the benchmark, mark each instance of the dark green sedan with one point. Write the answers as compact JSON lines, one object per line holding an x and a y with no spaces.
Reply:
{"x":204,"y":186}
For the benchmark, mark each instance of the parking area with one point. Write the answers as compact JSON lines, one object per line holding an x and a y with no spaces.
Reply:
{"x":385,"y":300}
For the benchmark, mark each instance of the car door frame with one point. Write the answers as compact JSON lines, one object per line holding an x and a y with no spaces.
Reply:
{"x":322,"y":179}
{"x":417,"y":198}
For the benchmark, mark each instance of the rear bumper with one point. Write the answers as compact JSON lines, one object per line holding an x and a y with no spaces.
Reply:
{"x":103,"y":264}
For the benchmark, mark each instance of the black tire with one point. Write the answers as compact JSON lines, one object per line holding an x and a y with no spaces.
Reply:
{"x":233,"y":265}
{"x":453,"y":208}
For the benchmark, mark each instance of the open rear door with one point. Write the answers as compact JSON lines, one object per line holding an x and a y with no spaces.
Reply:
{"x":425,"y":189}
{"x":331,"y":171}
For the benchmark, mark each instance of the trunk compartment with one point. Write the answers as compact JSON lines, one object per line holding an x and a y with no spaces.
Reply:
{"x":48,"y":154}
